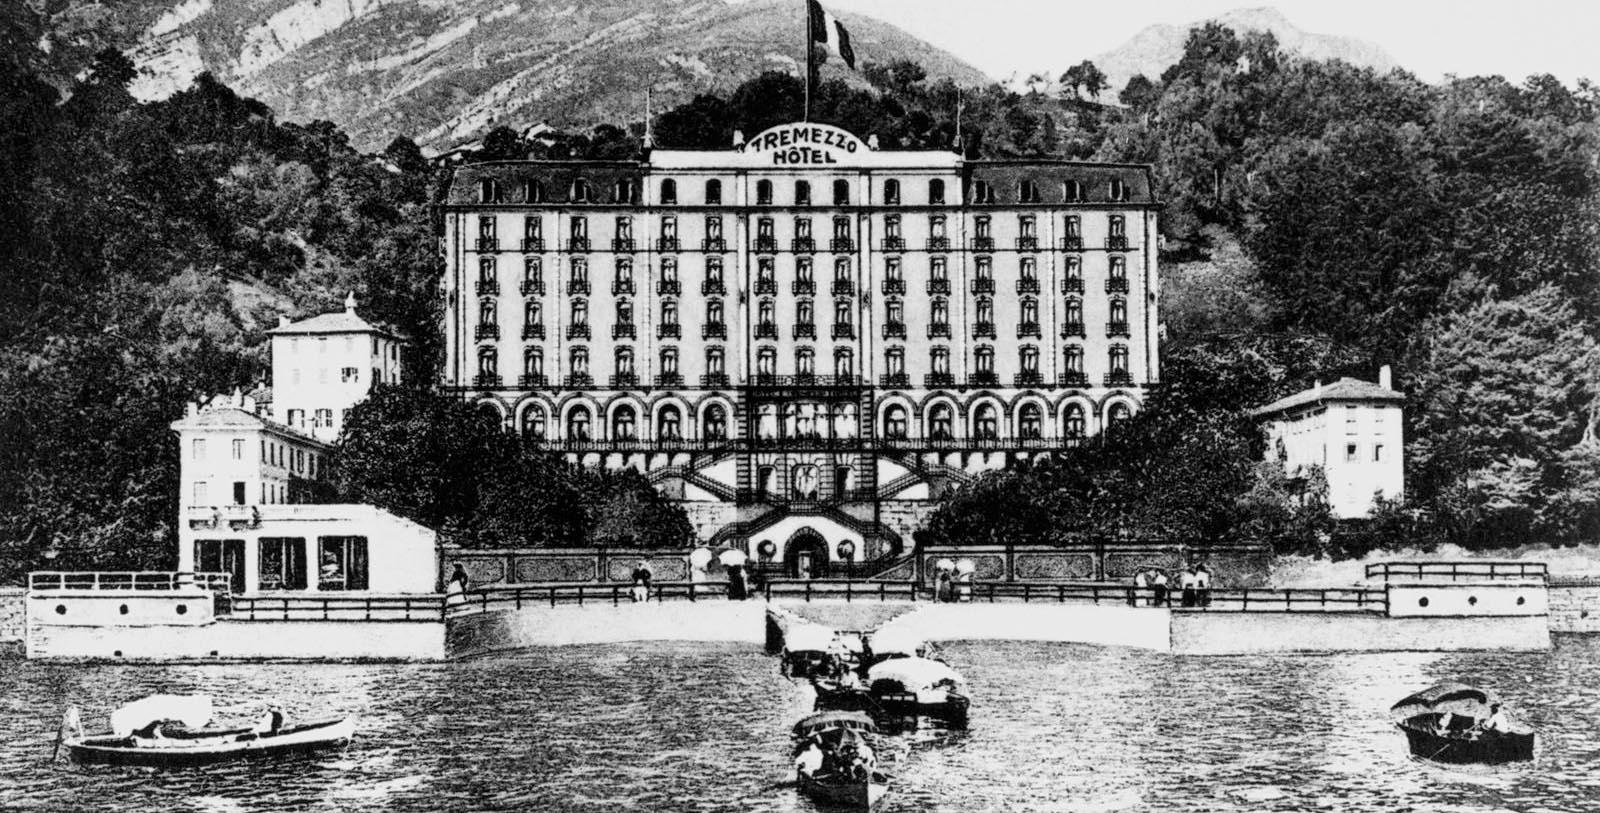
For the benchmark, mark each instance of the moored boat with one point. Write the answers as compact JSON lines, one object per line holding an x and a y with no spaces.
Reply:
{"x":845,"y":775}
{"x":901,"y":687}
{"x":171,"y":731}
{"x":1457,"y":724}
{"x":811,"y":650}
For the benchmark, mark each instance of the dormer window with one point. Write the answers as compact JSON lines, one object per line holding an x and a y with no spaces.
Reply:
{"x":1071,"y":191}
{"x":533,"y":192}
{"x":1028,"y":192}
{"x":981,"y":192}
{"x":802,"y":193}
{"x":623,"y":192}
{"x":936,"y":190}
{"x":669,"y":191}
{"x":891,"y":192}
{"x":1117,"y":190}
{"x":580,"y":191}
{"x":841,"y":192}
{"x":713,"y":192}
{"x":488,"y":191}
{"x":763,"y":193}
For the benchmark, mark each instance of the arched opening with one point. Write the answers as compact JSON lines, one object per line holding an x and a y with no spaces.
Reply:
{"x":806,"y":555}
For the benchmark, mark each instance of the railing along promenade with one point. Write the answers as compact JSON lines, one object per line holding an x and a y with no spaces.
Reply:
{"x":1458,"y":571}
{"x":335,"y":607}
{"x":126,"y":580}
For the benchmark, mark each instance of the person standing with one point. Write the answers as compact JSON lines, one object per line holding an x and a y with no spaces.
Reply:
{"x":1202,"y":586}
{"x":1141,"y":583}
{"x":1158,"y":585}
{"x":943,"y":589}
{"x":736,"y":584}
{"x":1186,"y":583}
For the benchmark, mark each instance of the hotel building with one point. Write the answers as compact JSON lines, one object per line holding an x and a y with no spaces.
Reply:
{"x":805,"y":339}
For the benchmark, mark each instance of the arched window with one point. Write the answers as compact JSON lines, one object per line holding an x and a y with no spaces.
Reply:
{"x":987,"y":422}
{"x":716,"y":427}
{"x":580,"y":191}
{"x":805,"y":361}
{"x":941,"y":422}
{"x":841,"y":312}
{"x":891,"y":191}
{"x":624,"y":360}
{"x":983,"y":359}
{"x":624,"y":312}
{"x":713,"y":192}
{"x":1119,"y":359}
{"x":1074,"y":313}
{"x":1117,"y":190}
{"x":669,"y":191}
{"x":578,"y":424}
{"x":763,"y":192}
{"x":1031,"y":421}
{"x":1030,"y":310}
{"x":936,"y":191}
{"x":669,"y":424}
{"x":623,"y":424}
{"x":802,"y":193}
{"x":1074,"y":427}
{"x":1119,"y":267}
{"x":981,"y":193}
{"x":533,"y":422}
{"x":1118,"y":415}
{"x":714,"y":311}
{"x":669,"y":312}
{"x":894,"y":421}
{"x":985,"y":310}
{"x":841,"y":192}
{"x":803,"y":313}
{"x":486,"y":413}
{"x":488,"y":191}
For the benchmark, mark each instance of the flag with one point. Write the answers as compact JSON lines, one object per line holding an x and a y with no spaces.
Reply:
{"x":828,"y":31}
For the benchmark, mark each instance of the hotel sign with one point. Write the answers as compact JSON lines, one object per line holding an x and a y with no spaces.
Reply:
{"x":804,"y":144}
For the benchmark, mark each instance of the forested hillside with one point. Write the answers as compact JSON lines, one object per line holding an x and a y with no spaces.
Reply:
{"x":1320,"y":220}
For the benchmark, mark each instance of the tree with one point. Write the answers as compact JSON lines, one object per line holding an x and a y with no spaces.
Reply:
{"x":1140,"y":94}
{"x":1084,"y":77}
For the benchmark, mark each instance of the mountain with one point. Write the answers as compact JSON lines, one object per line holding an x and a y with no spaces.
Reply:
{"x":1153,"y":49}
{"x":443,"y":71}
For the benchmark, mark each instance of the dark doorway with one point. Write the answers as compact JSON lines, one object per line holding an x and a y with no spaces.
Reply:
{"x":221,"y":556}
{"x":806,"y":555}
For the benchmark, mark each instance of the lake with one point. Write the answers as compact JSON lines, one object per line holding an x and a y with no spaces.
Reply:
{"x":703,"y":728}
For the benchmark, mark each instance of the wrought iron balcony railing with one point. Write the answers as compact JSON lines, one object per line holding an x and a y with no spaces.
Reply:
{"x":1072,"y":379}
{"x":1029,"y":378}
{"x":486,"y":381}
{"x":713,"y":287}
{"x":1117,"y":285}
{"x":532,"y":287}
{"x":938,"y":244}
{"x":715,"y":245}
{"x":939,"y":330}
{"x":622,"y":244}
{"x":894,"y":330}
{"x":669,"y":379}
{"x":984,"y":378}
{"x":714,"y":330}
{"x":894,"y":380}
{"x":894,"y":244}
{"x":481,"y":332}
{"x":894,"y":286}
{"x":533,"y":245}
{"x":487,"y":287}
{"x":486,"y":244}
{"x":939,"y":286}
{"x":1072,"y":285}
{"x":1027,"y":330}
{"x":533,"y":330}
{"x":805,"y":330}
{"x":578,"y":380}
{"x":803,"y":287}
{"x":1073,"y":330}
{"x":578,"y":286}
{"x":939,"y":380}
{"x":766,"y":244}
{"x":803,"y":245}
{"x":1119,"y":378}
{"x":669,"y":330}
{"x":624,"y":330}
{"x":1117,"y":242}
{"x":766,"y":330}
{"x":766,"y":286}
{"x":624,"y":381}
{"x":1072,"y":242}
{"x":578,"y":331}
{"x":1028,"y":285}
{"x":1117,"y":330}
{"x":666,"y":244}
{"x":983,"y":285}
{"x":530,"y":381}
{"x":578,"y":244}
{"x":1029,"y":243}
{"x":983,"y":330}
{"x":843,"y":330}
{"x":669,"y":287}
{"x":842,"y":287}
{"x":842,"y":244}
{"x":983,"y":244}
{"x":714,"y":381}
{"x":622,"y":286}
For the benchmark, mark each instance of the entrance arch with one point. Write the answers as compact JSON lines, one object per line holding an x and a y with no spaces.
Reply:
{"x":805,"y":555}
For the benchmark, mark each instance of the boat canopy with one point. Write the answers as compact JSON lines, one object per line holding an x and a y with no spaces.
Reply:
{"x":894,"y":642}
{"x":809,"y":638}
{"x":1451,"y":698}
{"x":193,"y":710}
{"x":830,"y":721}
{"x":914,"y":673}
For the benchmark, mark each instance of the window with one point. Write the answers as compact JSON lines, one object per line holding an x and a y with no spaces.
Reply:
{"x":533,"y":422}
{"x":283,"y":563}
{"x":802,"y":228}
{"x":987,"y":425}
{"x":623,"y":278}
{"x":1075,"y":421}
{"x":716,"y":423}
{"x":1119,"y":311}
{"x":324,"y":418}
{"x":669,"y":312}
{"x":1118,"y":226}
{"x":238,"y":448}
{"x":1352,"y":453}
{"x":669,"y":360}
{"x":1028,"y":270}
{"x":580,"y":191}
{"x":714,"y":361}
{"x":764,"y":231}
{"x":623,"y":424}
{"x":844,"y":363}
{"x":802,"y":270}
{"x":197,"y":449}
{"x":939,"y":360}
{"x":579,"y":361}
{"x":805,"y":361}
{"x":841,"y":270}
{"x":669,"y":191}
{"x":894,"y":361}
{"x":624,"y":312}
{"x":891,"y":227}
{"x":891,"y":191}
{"x":1073,"y":226}
{"x":342,"y":563}
{"x":713,"y":198}
{"x":841,"y":192}
{"x":941,"y":311}
{"x":1377,"y":452}
{"x":532,"y":270}
{"x":766,"y":361}
{"x":624,"y":192}
{"x":578,"y":228}
{"x":533,"y":362}
{"x":199,"y":492}
{"x":1352,"y":420}
{"x":764,"y":312}
{"x":980,"y":225}
{"x":578,"y":424}
{"x":841,"y":312}
{"x":981,"y":193}
{"x":714,"y":311}
{"x":1029,"y":356}
{"x":941,"y":422}
{"x":894,"y":421}
{"x":983,"y":359}
{"x":624,"y":360}
{"x":1071,"y":191}
{"x":578,"y":275}
{"x":1030,"y":421}
{"x":1116,"y":190}
{"x":763,"y":192}
{"x":1119,"y":359}
{"x":1119,"y":415}
{"x":891,"y":270}
{"x":534,"y":191}
{"x":669,"y":424}
{"x":669,"y":229}
{"x":894,"y":311}
{"x":1074,"y":312}
{"x":488,"y":191}
{"x":624,"y":228}
{"x":1027,"y":226}
{"x":841,"y":228}
{"x":938,"y":269}
{"x":985,"y":310}
{"x":486,"y":271}
{"x":486,"y":312}
{"x":488,"y":362}
{"x":936,"y":191}
{"x":802,"y":193}
{"x":1027,"y":191}
{"x":803,"y":313}
{"x":936,"y":224}
{"x":1072,"y":358}
{"x":985,"y":268}
{"x":580,"y":312}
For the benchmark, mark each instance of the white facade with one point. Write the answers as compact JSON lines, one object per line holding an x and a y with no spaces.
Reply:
{"x":323,"y":366}
{"x":1353,"y":430}
{"x":229,"y":455}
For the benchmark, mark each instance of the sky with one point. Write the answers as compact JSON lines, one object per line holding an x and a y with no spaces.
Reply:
{"x":1430,"y":38}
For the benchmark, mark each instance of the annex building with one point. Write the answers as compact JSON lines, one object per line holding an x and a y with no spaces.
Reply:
{"x":806,"y":339}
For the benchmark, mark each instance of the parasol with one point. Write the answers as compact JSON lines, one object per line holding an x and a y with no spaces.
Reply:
{"x":700,"y":557}
{"x":965,"y":566}
{"x":914,"y":673}
{"x":944,"y":564}
{"x":894,"y":642}
{"x":1447,"y":698}
{"x":733,"y":557}
{"x":193,"y":711}
{"x":834,"y":721}
{"x":808,"y":638}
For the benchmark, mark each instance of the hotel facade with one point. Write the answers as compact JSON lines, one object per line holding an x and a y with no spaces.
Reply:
{"x":806,"y":340}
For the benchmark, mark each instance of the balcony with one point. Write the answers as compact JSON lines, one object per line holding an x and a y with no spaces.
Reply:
{"x":482,"y":332}
{"x":1073,"y":330}
{"x":1117,"y":330}
{"x":894,"y":244}
{"x":714,"y":330}
{"x":669,"y":287}
{"x":713,"y":287}
{"x":530,"y":381}
{"x":803,"y":287}
{"x":1029,"y":330}
{"x":1029,"y":243}
{"x":983,"y":285}
{"x":894,"y":330}
{"x":533,"y":245}
{"x":624,"y":381}
{"x":487,"y":287}
{"x":939,"y":286}
{"x":938,"y":380}
{"x":1117,"y":285}
{"x":805,"y":330}
{"x":1119,"y":378}
{"x":715,"y":245}
{"x":578,"y":286}
{"x":1072,"y":285}
{"x":1117,"y":242}
{"x":669,"y":379}
{"x":842,"y":287}
{"x":1029,"y":378}
{"x":983,"y":330}
{"x":578,"y":331}
{"x":983,"y":244}
{"x":532,"y":287}
{"x":624,"y":244}
{"x":486,"y":244}
{"x":1072,"y":379}
{"x":578,"y":380}
{"x":805,"y":380}
{"x":767,"y":286}
{"x":841,"y":244}
{"x":939,"y":330}
{"x":843,"y":330}
{"x":803,"y":245}
{"x":894,"y":286}
{"x":984,"y":378}
{"x":624,"y":330}
{"x":622,"y":286}
{"x":938,"y":244}
{"x":714,"y":381}
{"x":533,"y":331}
{"x":894,"y":380}
{"x":669,"y":331}
{"x":666,"y":244}
{"x":766,"y":330}
{"x":578,"y":244}
{"x":486,"y":381}
{"x":1072,"y":242}
{"x":766,"y":244}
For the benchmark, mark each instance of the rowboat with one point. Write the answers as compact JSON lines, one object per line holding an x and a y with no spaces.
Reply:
{"x":844,"y":781}
{"x":1456,"y":724}
{"x":901,"y":687}
{"x":170,"y":731}
{"x":811,"y":650}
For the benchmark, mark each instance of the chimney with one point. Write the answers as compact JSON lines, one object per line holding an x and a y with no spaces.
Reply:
{"x":1316,"y":389}
{"x":192,"y":409}
{"x":1385,"y":378}
{"x":872,"y":141}
{"x":738,"y":139}
{"x":350,"y":303}
{"x":283,"y":321}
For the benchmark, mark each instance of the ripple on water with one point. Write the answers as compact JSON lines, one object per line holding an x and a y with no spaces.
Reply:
{"x":705,"y":728}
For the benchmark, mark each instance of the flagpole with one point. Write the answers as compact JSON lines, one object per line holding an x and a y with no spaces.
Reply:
{"x":805,"y":114}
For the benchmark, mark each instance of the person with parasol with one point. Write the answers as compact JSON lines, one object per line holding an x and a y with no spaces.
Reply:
{"x":734,"y":560}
